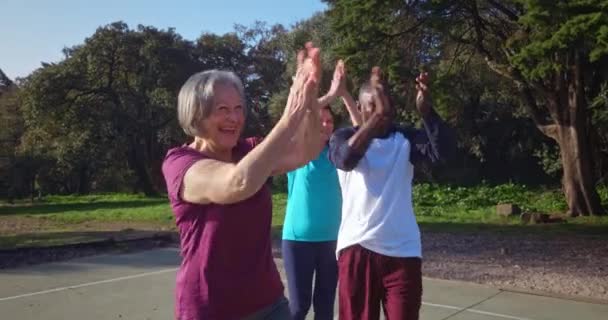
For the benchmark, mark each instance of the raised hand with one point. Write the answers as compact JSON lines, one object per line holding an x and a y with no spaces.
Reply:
{"x":303,"y":92}
{"x":423,"y":99}
{"x":351,"y":105}
{"x":380,"y":116}
{"x":337,"y":87}
{"x":338,"y":82}
{"x":380,"y":98}
{"x":376,"y":76}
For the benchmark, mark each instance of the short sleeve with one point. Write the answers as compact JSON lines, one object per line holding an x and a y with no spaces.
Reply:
{"x":340,"y":153}
{"x":174,"y":168}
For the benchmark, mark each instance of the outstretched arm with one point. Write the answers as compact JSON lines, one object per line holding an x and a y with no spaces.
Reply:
{"x":435,"y":141}
{"x":351,"y":107}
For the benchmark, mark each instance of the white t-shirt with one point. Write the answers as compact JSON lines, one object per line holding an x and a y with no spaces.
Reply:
{"x":377,"y":210}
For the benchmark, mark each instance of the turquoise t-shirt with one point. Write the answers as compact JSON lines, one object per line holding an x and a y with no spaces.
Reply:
{"x":314,"y":202}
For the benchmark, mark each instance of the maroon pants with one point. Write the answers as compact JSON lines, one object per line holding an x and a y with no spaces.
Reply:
{"x":367,"y":279}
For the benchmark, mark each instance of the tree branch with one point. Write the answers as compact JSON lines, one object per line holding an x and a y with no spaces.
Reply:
{"x":503,"y":9}
{"x":408,"y":30}
{"x":479,"y":25}
{"x":550,"y":130}
{"x":547,"y":127}
{"x":501,"y":70}
{"x":461,"y":40}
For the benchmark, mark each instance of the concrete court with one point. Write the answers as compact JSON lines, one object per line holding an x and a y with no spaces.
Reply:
{"x":140,"y":286}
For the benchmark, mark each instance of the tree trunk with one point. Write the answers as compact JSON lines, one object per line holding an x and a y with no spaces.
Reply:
{"x":138,"y":165}
{"x":84,"y":183}
{"x":578,"y":182}
{"x":575,"y":141}
{"x":32,"y":187}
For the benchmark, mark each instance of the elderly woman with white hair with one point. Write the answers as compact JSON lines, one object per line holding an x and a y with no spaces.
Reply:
{"x":217,"y":191}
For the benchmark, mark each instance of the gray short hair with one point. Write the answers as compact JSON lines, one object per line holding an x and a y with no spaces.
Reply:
{"x":368,"y":88}
{"x":196,"y":98}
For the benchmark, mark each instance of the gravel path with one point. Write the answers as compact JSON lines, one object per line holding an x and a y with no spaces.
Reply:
{"x":566,"y":264}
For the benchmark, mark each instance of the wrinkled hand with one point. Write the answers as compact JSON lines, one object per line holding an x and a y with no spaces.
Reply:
{"x":423,"y":99}
{"x":303,"y":93}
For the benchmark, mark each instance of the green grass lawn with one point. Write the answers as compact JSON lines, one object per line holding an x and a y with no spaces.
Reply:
{"x":467,"y":209}
{"x":437,"y":208}
{"x":70,"y":210}
{"x":100,"y":207}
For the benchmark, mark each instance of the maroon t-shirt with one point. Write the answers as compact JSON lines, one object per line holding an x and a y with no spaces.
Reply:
{"x":227,"y":269}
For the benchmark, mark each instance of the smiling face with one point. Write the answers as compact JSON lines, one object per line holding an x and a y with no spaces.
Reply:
{"x":224,"y":125}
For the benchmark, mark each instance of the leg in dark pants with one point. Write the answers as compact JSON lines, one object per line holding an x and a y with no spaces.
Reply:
{"x":368,"y":278}
{"x":402,"y":280}
{"x":299,"y":261}
{"x":326,"y":279}
{"x":360,"y":290}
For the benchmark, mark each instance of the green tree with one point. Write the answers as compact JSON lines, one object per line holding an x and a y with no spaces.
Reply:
{"x":11,"y":128}
{"x":255,"y":54}
{"x":265,"y":73}
{"x":556,"y":53}
{"x":552,"y":52}
{"x":317,"y":29}
{"x":112,"y":98}
{"x":485,"y":115}
{"x":388,"y":34}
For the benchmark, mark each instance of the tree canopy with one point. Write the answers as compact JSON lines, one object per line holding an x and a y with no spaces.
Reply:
{"x":523,"y":82}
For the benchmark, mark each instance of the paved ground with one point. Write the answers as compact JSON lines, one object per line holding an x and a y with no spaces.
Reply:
{"x":140,"y":286}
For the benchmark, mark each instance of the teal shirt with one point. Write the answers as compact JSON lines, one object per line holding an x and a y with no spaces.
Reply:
{"x":314,"y":202}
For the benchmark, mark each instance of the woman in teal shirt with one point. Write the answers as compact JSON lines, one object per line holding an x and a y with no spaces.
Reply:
{"x":312,"y":219}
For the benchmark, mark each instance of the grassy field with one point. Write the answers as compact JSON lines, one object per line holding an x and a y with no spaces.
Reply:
{"x":68,"y":219}
{"x":101,"y":207}
{"x":466,"y":209}
{"x":75,"y":210}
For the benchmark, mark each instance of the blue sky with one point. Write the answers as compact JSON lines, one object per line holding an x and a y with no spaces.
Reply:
{"x":32,"y":31}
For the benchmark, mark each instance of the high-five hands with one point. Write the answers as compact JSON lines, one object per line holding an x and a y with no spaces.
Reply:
{"x":303,"y":93}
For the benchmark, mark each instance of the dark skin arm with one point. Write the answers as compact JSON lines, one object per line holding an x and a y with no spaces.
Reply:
{"x":377,"y":121}
{"x":360,"y":141}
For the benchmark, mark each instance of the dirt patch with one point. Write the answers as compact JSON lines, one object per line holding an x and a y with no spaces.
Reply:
{"x":22,"y":232}
{"x":11,"y":225}
{"x":564,"y":264}
{"x":21,"y":224}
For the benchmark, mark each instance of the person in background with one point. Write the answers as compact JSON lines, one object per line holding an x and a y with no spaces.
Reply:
{"x":312,"y":219}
